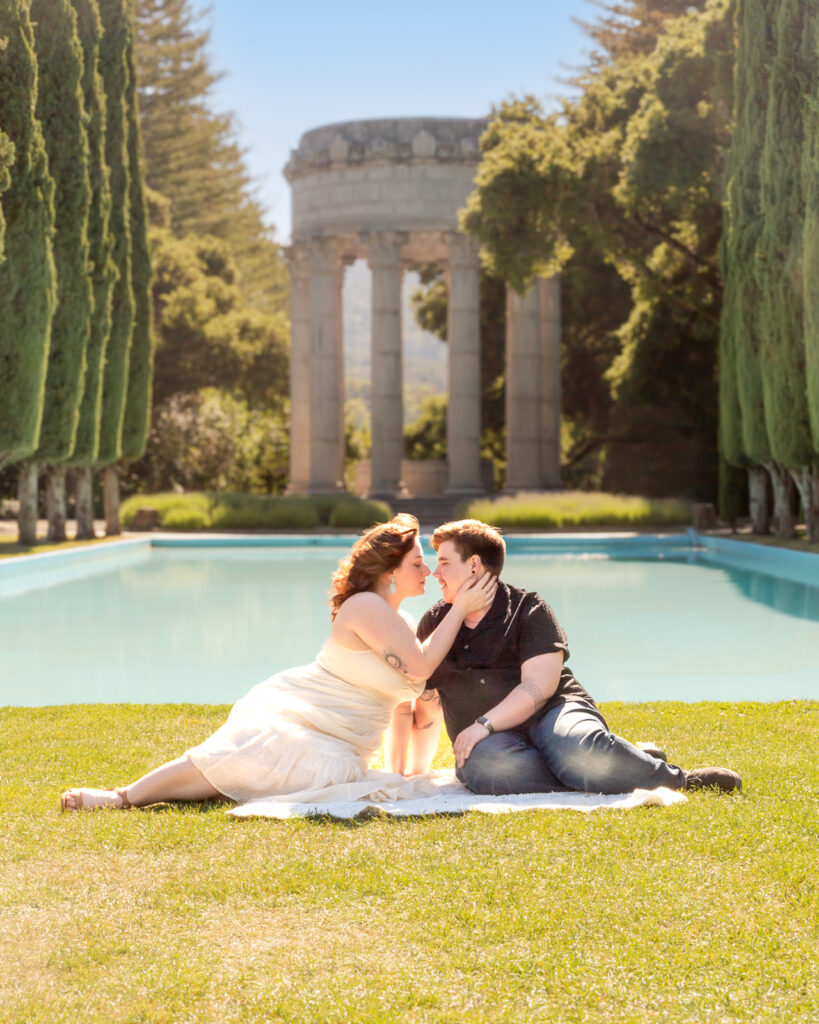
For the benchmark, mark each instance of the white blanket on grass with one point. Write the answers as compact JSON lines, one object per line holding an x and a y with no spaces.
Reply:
{"x":445,"y":795}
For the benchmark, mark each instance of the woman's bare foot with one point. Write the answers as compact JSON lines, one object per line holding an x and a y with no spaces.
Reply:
{"x":92,"y":799}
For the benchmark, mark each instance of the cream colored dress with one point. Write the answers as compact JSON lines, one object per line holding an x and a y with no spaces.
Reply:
{"x":311,"y":733}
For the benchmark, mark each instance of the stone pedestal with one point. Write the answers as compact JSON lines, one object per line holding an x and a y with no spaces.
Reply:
{"x":384,"y":256}
{"x":326,"y":431}
{"x":533,"y":387}
{"x":463,"y":338}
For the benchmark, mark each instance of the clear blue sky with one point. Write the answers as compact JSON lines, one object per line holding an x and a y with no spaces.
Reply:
{"x":291,"y":65}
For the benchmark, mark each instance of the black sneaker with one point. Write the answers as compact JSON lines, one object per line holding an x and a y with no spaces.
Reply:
{"x":652,"y":751}
{"x":713,"y":778}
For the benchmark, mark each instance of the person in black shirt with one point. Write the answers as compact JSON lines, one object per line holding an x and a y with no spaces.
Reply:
{"x":518,"y":719}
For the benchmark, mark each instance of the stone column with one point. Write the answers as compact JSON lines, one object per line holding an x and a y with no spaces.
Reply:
{"x":522,"y":390}
{"x":326,"y":368}
{"x":533,"y":387}
{"x":550,"y":391}
{"x":387,"y":392}
{"x":463,"y":337}
{"x":299,"y":369}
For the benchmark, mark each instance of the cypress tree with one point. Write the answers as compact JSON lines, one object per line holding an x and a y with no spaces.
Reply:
{"x":140,"y":375}
{"x":732,"y":454}
{"x":740,"y":338}
{"x":102,"y":267}
{"x":27,"y":277}
{"x":116,"y":42}
{"x":6,"y":160}
{"x":61,"y":113}
{"x":808,"y":479}
{"x":780,"y":253}
{"x":810,"y":178}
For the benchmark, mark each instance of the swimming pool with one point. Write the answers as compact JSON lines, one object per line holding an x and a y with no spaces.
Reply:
{"x":647,"y":619}
{"x":655,"y":619}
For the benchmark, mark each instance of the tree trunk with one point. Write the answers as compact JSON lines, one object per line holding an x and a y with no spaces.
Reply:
{"x":85,"y":503}
{"x":783,"y":492}
{"x":760,"y":506}
{"x":55,"y":503}
{"x":111,"y":490}
{"x":27,"y":495}
{"x":806,"y":479}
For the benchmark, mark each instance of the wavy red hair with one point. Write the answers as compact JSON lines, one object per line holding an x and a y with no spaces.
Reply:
{"x":380,"y":550}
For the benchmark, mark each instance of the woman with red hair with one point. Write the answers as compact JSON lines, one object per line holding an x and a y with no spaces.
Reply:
{"x":310,"y":733}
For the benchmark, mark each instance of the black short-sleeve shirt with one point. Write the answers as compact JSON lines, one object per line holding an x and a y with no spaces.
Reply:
{"x":483,"y":664}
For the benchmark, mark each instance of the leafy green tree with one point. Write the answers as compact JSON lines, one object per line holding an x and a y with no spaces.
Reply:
{"x":780,"y":253}
{"x":27,"y":277}
{"x":191,"y":153}
{"x":426,"y":437}
{"x":430,"y":306}
{"x":630,"y":171}
{"x":631,"y":27}
{"x":212,"y":440}
{"x":61,"y":113}
{"x":207,"y":335}
{"x":116,"y":42}
{"x":103,"y":270}
{"x":208,"y":340}
{"x":141,"y":358}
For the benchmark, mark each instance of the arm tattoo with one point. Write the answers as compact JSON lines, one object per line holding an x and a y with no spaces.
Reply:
{"x":429,"y":695}
{"x":539,"y":698}
{"x":395,"y":661}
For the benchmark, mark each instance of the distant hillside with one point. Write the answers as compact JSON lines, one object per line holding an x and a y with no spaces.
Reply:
{"x":425,"y":357}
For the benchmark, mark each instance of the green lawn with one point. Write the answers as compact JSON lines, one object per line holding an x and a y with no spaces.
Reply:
{"x":705,"y":912}
{"x":9,"y":545}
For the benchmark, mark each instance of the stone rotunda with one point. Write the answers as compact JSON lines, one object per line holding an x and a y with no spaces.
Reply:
{"x":390,"y":191}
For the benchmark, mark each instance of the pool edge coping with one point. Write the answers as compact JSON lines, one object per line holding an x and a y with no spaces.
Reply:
{"x":130,"y":546}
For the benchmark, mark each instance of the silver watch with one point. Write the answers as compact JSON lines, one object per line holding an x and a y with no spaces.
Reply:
{"x":484,"y":721}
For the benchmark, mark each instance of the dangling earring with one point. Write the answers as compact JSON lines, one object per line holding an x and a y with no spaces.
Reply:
{"x":392,"y":584}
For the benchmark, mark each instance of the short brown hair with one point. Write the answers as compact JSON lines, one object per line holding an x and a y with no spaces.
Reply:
{"x":381,"y":549}
{"x":472,"y":537}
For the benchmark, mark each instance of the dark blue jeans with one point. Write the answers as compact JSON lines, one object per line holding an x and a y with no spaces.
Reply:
{"x":570,"y":748}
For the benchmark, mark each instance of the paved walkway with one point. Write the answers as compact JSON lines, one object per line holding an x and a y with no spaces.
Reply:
{"x":8,"y":527}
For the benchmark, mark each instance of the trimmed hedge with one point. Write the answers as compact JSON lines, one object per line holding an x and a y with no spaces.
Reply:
{"x":200,"y":511}
{"x":555,"y":510}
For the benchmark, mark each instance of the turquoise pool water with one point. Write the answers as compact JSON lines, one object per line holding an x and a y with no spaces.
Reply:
{"x":205,"y":624}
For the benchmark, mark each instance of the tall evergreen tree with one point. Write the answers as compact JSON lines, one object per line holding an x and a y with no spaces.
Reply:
{"x":807,"y":477}
{"x":630,"y":172}
{"x":141,"y":366}
{"x":810,"y":178}
{"x":62,"y":115}
{"x":103,"y":268}
{"x":741,"y":368}
{"x":27,"y":277}
{"x":191,"y":153}
{"x":6,"y":160}
{"x":780,"y":251}
{"x":116,"y":42}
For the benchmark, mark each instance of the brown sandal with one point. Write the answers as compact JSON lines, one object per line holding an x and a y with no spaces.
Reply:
{"x":121,"y":792}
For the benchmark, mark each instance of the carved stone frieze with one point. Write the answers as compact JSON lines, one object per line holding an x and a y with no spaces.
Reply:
{"x":393,"y":140}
